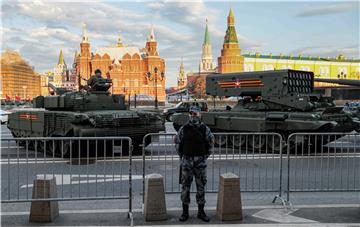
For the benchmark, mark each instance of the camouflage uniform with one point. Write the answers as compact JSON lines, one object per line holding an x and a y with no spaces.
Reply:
{"x":194,"y":167}
{"x":93,"y":80}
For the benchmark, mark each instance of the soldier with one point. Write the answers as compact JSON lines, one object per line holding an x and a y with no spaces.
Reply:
{"x":94,"y":79}
{"x":194,"y":141}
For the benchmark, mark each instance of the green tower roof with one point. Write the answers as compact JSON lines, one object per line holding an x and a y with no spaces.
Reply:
{"x":230,"y":36}
{"x":61,"y":59}
{"x":231,"y":13}
{"x":206,"y":37}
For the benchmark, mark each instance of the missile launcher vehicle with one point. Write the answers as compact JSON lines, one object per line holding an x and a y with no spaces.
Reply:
{"x":281,"y":101}
{"x":89,"y":113}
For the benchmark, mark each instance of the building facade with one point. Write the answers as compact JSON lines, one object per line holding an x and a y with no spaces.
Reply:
{"x":18,"y":78}
{"x":45,"y":79}
{"x":133,"y":70}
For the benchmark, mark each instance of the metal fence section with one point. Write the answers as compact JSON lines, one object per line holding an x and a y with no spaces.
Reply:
{"x":254,"y":157}
{"x":86,"y":168}
{"x":323,"y":162}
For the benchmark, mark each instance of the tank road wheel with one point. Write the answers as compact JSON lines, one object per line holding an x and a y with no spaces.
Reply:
{"x":237,"y":140}
{"x":40,"y":146}
{"x":274,"y":143}
{"x":21,"y":143}
{"x":257,"y":142}
{"x":64,"y":148}
{"x":220,"y":141}
{"x":31,"y":145}
{"x":48,"y":147}
{"x":53,"y":148}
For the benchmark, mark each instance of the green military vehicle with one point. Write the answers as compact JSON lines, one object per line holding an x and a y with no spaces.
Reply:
{"x":88,"y":113}
{"x":281,"y":101}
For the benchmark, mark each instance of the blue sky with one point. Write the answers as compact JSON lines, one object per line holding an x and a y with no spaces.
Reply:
{"x":39,"y":29}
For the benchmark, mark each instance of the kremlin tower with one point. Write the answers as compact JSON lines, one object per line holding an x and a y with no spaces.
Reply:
{"x":85,"y":57}
{"x":59,"y":70}
{"x":181,"y":78}
{"x":206,"y":64}
{"x":230,"y":59}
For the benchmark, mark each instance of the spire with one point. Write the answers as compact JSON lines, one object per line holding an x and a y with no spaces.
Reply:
{"x":231,"y":13}
{"x":61,"y":59}
{"x":206,"y":37}
{"x":120,"y":43}
{"x":151,"y":37}
{"x":182,"y":65}
{"x":85,"y":38}
{"x":230,"y":36}
{"x":181,"y":78}
{"x":231,"y":21}
{"x":75,"y":55}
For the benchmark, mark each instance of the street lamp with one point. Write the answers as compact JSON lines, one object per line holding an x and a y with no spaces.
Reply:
{"x":155,"y":79}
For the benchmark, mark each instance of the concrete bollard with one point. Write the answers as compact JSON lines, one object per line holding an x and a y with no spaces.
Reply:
{"x":44,"y":211}
{"x":229,"y":198}
{"x":154,"y":204}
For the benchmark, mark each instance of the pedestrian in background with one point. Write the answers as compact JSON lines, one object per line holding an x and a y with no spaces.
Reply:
{"x":194,"y":141}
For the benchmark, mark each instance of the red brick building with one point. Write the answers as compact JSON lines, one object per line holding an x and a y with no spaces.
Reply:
{"x":133,"y":70}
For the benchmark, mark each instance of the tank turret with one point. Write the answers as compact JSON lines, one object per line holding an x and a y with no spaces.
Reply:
{"x":277,"y":90}
{"x":92,"y":97}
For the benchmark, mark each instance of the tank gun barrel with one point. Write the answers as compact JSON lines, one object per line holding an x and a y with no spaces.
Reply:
{"x":339,"y":81}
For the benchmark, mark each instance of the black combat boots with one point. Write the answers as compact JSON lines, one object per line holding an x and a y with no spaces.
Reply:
{"x":185,"y":215}
{"x":201,"y":213}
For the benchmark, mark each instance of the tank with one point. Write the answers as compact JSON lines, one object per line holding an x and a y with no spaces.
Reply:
{"x":91,"y":112}
{"x":281,"y":101}
{"x":353,"y":109}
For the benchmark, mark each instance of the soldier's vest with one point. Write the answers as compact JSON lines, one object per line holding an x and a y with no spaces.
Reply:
{"x":193,"y":142}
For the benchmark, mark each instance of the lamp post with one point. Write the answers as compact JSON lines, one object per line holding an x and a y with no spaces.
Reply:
{"x":155,"y":79}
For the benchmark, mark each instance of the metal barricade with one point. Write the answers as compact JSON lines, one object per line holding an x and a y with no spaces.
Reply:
{"x":85,"y":168}
{"x":255,"y":157}
{"x":323,"y":162}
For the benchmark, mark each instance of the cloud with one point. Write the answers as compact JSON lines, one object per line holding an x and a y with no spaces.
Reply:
{"x":249,"y":44}
{"x":190,"y":14}
{"x":54,"y":33}
{"x":328,"y":9}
